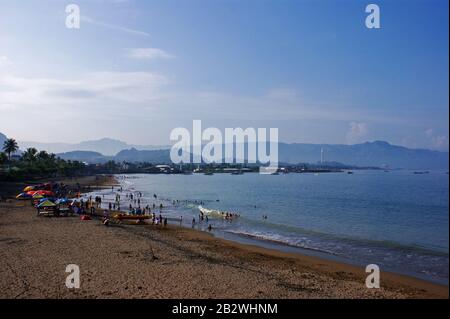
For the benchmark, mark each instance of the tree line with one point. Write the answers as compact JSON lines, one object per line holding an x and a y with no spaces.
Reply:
{"x":34,"y":164}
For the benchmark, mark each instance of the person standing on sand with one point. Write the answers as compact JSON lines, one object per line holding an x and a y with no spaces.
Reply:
{"x":181,"y":220}
{"x":193,"y":222}
{"x":165,"y":222}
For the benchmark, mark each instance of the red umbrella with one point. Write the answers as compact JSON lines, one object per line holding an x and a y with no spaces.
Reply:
{"x":41,"y":192}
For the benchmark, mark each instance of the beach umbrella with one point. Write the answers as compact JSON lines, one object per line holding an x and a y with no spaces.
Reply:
{"x":28,"y":189}
{"x":23,"y":196}
{"x":46,"y":203}
{"x":52,"y":199}
{"x":63,"y":201}
{"x":38,"y":196}
{"x":41,"y":192}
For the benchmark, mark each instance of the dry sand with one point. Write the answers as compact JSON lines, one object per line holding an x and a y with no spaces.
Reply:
{"x":128,"y":261}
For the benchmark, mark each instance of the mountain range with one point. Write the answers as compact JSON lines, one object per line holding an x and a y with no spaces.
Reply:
{"x":105,"y":146}
{"x":373,"y":154}
{"x":2,"y":139}
{"x":376,"y":154}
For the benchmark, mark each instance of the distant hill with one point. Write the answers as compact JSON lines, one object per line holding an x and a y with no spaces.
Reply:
{"x":85,"y":156}
{"x":105,"y":146}
{"x":134,"y":155}
{"x":369,"y":154}
{"x":3,"y":138}
{"x":376,"y":153}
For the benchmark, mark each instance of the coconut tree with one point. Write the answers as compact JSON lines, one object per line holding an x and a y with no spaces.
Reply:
{"x":43,"y":155}
{"x":10,"y":146}
{"x":30,"y":155}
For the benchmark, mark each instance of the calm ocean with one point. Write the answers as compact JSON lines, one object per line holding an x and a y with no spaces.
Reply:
{"x":398,"y":220}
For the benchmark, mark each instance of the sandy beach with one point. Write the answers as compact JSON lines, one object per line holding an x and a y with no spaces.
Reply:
{"x":129,"y":261}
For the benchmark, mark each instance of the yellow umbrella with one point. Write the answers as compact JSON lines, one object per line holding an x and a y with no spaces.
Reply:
{"x":28,"y":188}
{"x":38,"y":196}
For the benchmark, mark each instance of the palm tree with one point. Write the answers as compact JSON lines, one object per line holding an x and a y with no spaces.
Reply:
{"x":43,"y":155}
{"x":29,"y":155}
{"x":10,"y":146}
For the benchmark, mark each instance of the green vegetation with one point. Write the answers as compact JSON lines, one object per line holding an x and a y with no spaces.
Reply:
{"x":10,"y":146}
{"x":33,"y":164}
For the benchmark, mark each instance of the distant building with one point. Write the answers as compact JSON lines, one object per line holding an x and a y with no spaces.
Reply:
{"x":164,"y":168}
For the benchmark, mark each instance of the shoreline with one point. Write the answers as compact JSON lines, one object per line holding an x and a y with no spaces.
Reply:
{"x":130,"y":261}
{"x":243,"y":238}
{"x":314,"y":253}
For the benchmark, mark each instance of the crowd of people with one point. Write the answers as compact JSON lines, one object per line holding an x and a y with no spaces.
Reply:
{"x":131,"y":205}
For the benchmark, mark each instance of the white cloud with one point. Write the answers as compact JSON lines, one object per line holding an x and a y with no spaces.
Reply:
{"x":80,"y":107}
{"x":429,"y":133}
{"x":357,"y":132}
{"x":148,"y":53}
{"x":102,"y":89}
{"x":113,"y":26}
{"x":4,"y":61}
{"x":438,"y":142}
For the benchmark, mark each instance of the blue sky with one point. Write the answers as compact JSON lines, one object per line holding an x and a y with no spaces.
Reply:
{"x":137,"y":69}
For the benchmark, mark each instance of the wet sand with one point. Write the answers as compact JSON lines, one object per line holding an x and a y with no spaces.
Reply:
{"x":130,"y":261}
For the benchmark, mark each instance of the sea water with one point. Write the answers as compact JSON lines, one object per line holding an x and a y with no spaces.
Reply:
{"x":398,"y":220}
